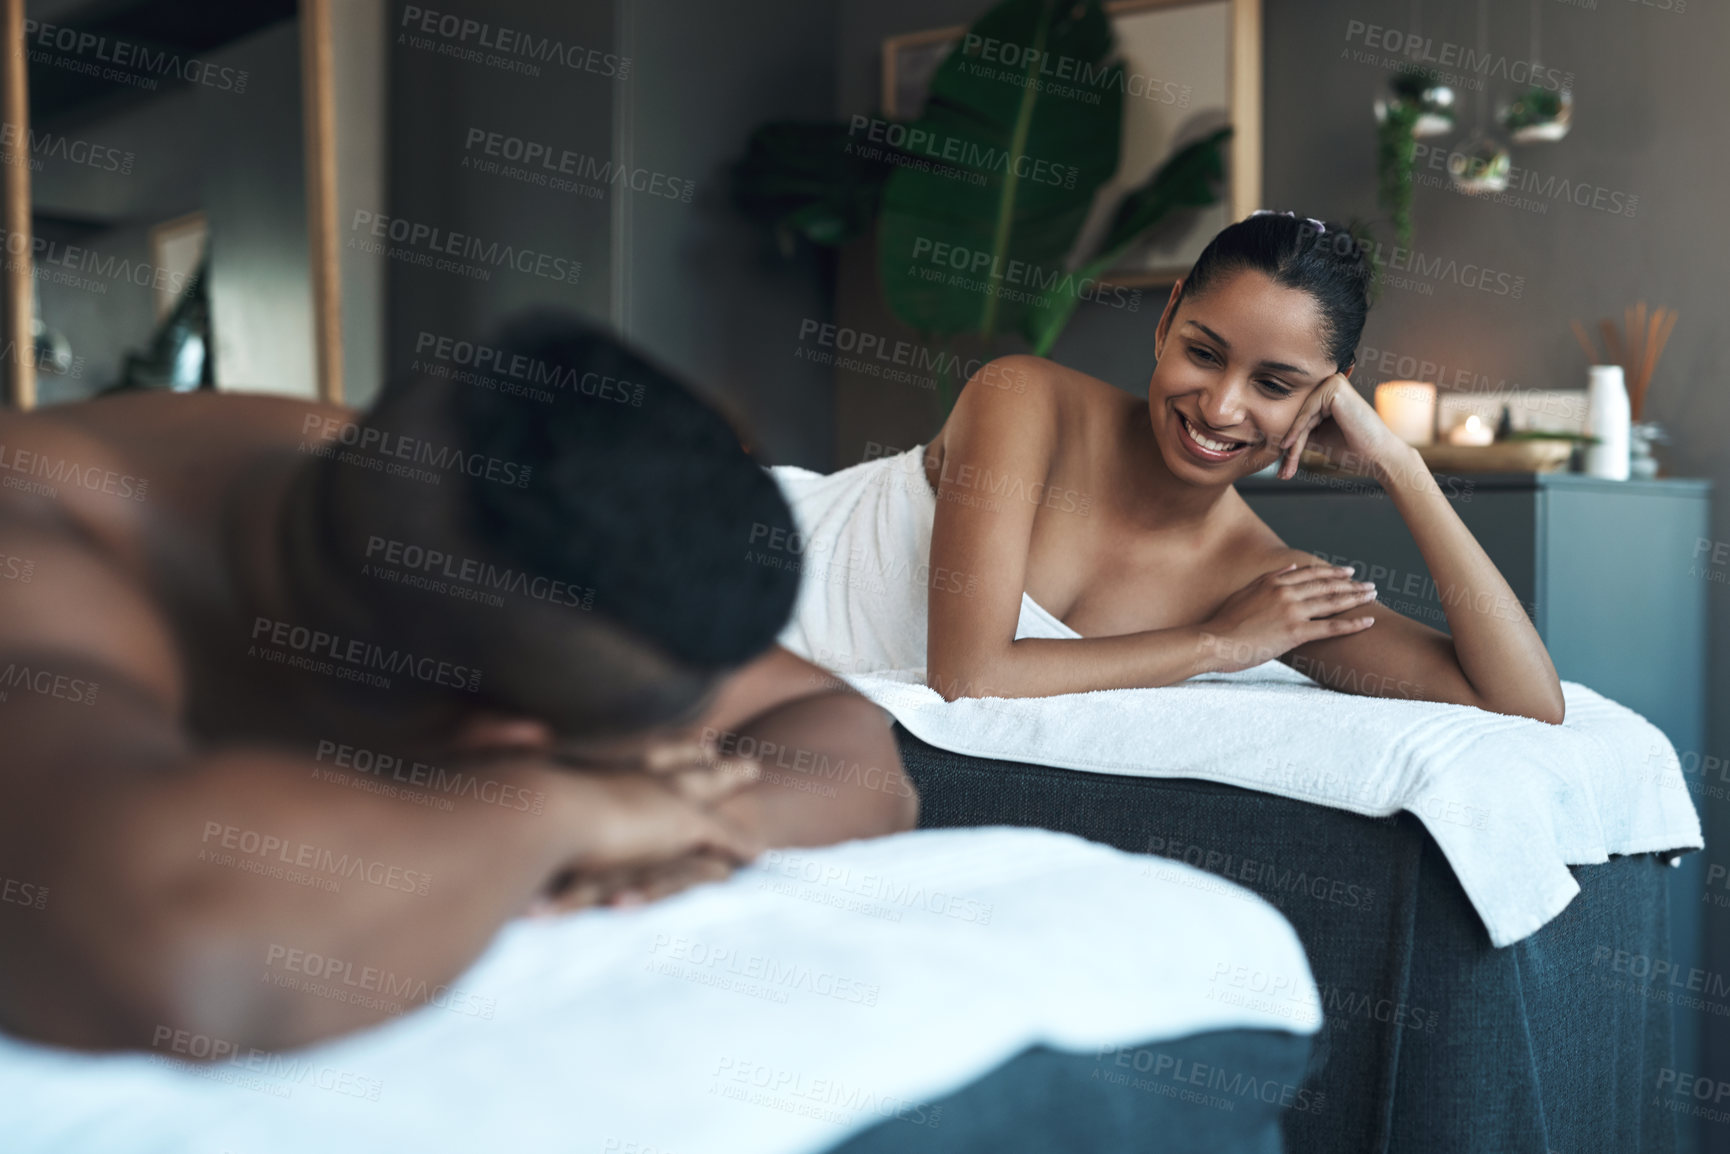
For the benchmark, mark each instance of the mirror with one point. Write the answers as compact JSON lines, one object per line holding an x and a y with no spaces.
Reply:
{"x":167,"y":146}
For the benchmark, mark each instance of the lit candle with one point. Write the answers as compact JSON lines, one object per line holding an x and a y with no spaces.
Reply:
{"x":1409,"y":409}
{"x":1472,"y":431}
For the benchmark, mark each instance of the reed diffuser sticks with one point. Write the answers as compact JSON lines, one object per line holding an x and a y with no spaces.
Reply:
{"x":1636,"y":347}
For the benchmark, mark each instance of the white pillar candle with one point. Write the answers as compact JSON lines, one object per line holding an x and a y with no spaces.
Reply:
{"x":1409,"y":409}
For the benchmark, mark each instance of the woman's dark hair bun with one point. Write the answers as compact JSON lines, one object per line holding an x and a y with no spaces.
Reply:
{"x":1319,"y":257}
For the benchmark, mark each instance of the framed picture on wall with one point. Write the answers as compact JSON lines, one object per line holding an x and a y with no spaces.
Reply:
{"x":1190,"y":66}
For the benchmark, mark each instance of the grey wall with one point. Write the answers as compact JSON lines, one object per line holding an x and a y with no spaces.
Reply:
{"x":699,"y":286}
{"x":436,"y":97}
{"x":688,"y":280}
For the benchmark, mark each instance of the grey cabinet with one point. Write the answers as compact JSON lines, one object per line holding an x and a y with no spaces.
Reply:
{"x":1606,"y":569}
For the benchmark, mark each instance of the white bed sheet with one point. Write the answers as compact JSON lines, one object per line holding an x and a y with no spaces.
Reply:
{"x":810,"y":997}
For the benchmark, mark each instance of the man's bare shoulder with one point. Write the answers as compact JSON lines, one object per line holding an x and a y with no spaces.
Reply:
{"x":87,"y":490}
{"x":144,"y":424}
{"x":49,"y":444}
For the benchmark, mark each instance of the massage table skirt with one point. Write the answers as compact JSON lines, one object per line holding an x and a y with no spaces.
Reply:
{"x":1220,"y":1092}
{"x":1434,"y":1040}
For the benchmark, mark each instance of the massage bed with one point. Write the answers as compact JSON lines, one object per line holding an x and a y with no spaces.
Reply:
{"x":1002,"y":990}
{"x":1434,"y":1040}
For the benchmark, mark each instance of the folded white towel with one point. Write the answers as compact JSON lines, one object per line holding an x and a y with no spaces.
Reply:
{"x":814,"y":995}
{"x":1511,"y":802}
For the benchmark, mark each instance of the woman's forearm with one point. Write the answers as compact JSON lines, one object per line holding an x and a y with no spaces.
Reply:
{"x":1497,"y":646}
{"x":1041,"y":667}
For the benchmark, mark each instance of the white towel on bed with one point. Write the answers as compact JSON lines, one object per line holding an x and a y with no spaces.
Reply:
{"x":1511,"y":802}
{"x":814,"y":995}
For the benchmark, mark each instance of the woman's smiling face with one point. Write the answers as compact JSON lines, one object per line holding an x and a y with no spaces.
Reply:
{"x":1234,"y":368}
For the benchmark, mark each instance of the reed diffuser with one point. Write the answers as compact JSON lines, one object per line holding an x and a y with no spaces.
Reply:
{"x":1636,"y":348}
{"x":1635,"y":351}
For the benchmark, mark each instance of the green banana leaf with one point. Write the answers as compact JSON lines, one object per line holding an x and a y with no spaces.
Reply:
{"x":978,"y":203}
{"x":1021,"y":127}
{"x":1189,"y":179}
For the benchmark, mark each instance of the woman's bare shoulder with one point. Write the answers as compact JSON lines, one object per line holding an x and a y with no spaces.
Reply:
{"x":1036,"y":397}
{"x":1025,"y":374}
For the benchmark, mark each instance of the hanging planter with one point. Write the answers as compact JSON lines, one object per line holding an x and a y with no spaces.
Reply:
{"x":1433,"y":102}
{"x":1539,"y":115}
{"x":1396,"y":156}
{"x":1417,"y":107}
{"x":1482,"y":166}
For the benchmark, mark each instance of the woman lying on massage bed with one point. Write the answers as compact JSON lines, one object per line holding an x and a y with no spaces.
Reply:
{"x":1170,"y":574}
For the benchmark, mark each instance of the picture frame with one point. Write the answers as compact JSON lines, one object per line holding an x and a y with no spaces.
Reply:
{"x":176,"y":247}
{"x":1201,"y":65}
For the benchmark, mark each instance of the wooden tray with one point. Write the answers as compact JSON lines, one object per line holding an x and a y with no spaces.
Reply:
{"x":1504,"y":457}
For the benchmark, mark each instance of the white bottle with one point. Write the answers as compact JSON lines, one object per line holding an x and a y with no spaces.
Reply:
{"x":1607,"y":418}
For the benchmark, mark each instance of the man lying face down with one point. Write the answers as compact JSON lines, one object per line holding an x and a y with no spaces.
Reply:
{"x":282,"y":682}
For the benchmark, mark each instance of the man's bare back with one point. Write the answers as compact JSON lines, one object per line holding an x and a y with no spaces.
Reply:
{"x":196,"y":778}
{"x":140,"y":497}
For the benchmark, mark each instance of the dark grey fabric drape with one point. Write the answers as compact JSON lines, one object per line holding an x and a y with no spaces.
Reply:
{"x":1214,"y":1093}
{"x":1434,"y":1041}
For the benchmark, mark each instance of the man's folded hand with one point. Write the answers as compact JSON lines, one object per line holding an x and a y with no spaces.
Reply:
{"x":647,"y":824}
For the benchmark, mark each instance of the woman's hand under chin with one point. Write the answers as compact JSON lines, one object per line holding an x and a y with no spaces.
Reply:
{"x":1337,"y":421}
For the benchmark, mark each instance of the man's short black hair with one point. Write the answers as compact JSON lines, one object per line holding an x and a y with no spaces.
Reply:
{"x":610,"y":509}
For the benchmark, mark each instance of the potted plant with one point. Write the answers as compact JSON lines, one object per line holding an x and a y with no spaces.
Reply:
{"x":822,"y":182}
